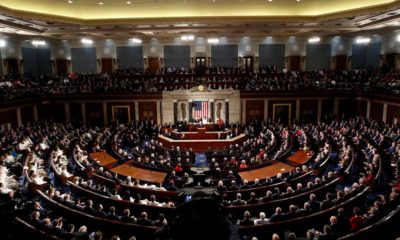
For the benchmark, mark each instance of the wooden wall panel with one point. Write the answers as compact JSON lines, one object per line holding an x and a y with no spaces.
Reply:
{"x":75,"y":110}
{"x":376,"y":111}
{"x":94,"y":114}
{"x":271,"y":107}
{"x":8,"y":118}
{"x":27,"y":115}
{"x":308,"y":110}
{"x":393,"y":114}
{"x":131,"y":106}
{"x":254,"y":110}
{"x":147,"y":111}
{"x":327,"y":110}
{"x":52,"y":112}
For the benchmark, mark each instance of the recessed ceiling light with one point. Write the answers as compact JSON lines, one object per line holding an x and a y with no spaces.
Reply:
{"x":101,"y":3}
{"x":2,"y":43}
{"x":86,"y":41}
{"x":128,"y":2}
{"x":70,"y":1}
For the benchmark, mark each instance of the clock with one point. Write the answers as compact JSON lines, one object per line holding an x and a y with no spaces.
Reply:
{"x":200,"y":88}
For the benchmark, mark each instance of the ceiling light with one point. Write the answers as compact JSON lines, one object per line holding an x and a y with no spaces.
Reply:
{"x":187,"y":37}
{"x":398,"y":38}
{"x":213,"y":40}
{"x":128,"y":2}
{"x":136,"y":40}
{"x":314,"y":40}
{"x":101,"y":3}
{"x":2,"y":43}
{"x":86,"y":41}
{"x":70,"y":1}
{"x":38,"y":43}
{"x":363,"y":40}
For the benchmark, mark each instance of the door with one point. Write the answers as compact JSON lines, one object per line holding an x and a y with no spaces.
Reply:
{"x":200,"y":65}
{"x":12,"y":66}
{"x":294,"y":63}
{"x":61,"y":65}
{"x":154,"y":65}
{"x":390,"y":62}
{"x":340,"y":62}
{"x":248,"y":63}
{"x":281,"y":113}
{"x":106,"y":65}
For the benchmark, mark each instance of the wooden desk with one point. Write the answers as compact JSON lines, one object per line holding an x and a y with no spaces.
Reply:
{"x":201,"y":145}
{"x":140,"y":173}
{"x":103,"y":158}
{"x":300,"y":157}
{"x":262,"y":173}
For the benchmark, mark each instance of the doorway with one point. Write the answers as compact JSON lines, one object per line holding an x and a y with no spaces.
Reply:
{"x":61,"y":66}
{"x":154,"y":65}
{"x":106,"y":65}
{"x":248,"y":63}
{"x":282,"y":112}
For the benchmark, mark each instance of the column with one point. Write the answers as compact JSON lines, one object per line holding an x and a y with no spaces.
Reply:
{"x":136,"y":104}
{"x":19,"y":117}
{"x":175,"y":110}
{"x":368,"y":112}
{"x":243,"y":111}
{"x":67,"y":112}
{"x":298,"y":110}
{"x":212,"y":111}
{"x":335,"y":107}
{"x":83,"y":108}
{"x":319,"y":113}
{"x":158,"y":112}
{"x":105,"y":115}
{"x":190,"y":110}
{"x":265,"y":110}
{"x":384,"y":114}
{"x":226,"y":112}
{"x":35,"y":113}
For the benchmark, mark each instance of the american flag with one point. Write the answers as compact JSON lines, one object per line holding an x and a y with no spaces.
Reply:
{"x":200,"y":109}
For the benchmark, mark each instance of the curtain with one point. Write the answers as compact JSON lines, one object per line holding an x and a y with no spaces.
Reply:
{"x":359,"y":56}
{"x":318,"y":56}
{"x":36,"y":60}
{"x":271,"y":55}
{"x":130,"y":57}
{"x":176,"y":56}
{"x":373,"y":55}
{"x":224,"y":55}
{"x":84,"y":60}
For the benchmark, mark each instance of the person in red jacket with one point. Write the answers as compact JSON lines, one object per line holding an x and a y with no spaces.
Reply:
{"x":357,"y":221}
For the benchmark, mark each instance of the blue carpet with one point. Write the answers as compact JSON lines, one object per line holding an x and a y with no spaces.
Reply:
{"x":201,"y":160}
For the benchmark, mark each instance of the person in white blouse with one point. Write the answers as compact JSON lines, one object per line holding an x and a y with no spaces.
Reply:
{"x":261,"y":220}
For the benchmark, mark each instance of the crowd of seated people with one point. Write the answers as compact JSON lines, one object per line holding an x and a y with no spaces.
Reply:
{"x":138,"y":80}
{"x":44,"y":144}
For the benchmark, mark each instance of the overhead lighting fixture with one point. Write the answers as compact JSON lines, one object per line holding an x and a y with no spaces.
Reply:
{"x":2,"y":43}
{"x":187,"y":37}
{"x":398,"y":38}
{"x":213,"y":40}
{"x":101,"y":3}
{"x":86,"y":41}
{"x":128,"y":2}
{"x":314,"y":40}
{"x":38,"y":43}
{"x":363,"y":40}
{"x":136,"y":40}
{"x":70,"y":1}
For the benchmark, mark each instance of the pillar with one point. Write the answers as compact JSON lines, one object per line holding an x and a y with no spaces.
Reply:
{"x":105,"y":115}
{"x":368,"y":112}
{"x":190,"y":110}
{"x":384,"y":113}
{"x":265,"y":110}
{"x":212,"y":111}
{"x":67,"y":112}
{"x":335,"y":107}
{"x":35,"y":113}
{"x":19,"y":117}
{"x":298,"y":110}
{"x":136,"y":104}
{"x":319,"y":111}
{"x":158,"y":112}
{"x":83,"y":108}
{"x":243,"y":111}
{"x":226,"y":112}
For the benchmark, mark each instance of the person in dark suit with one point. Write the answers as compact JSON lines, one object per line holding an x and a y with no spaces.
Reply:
{"x":112,"y":214}
{"x":126,"y":217}
{"x":246,"y":221}
{"x":315,"y":205}
{"x":277,"y":216}
{"x":238,"y":201}
{"x":253,"y":199}
{"x":143,"y":220}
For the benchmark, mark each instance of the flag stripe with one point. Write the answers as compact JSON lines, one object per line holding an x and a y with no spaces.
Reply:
{"x":200,"y":109}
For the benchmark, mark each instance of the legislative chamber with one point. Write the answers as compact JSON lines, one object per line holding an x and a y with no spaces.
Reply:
{"x":199,"y":120}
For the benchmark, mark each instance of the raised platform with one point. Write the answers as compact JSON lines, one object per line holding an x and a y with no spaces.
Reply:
{"x":201,"y":133}
{"x":201,"y":145}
